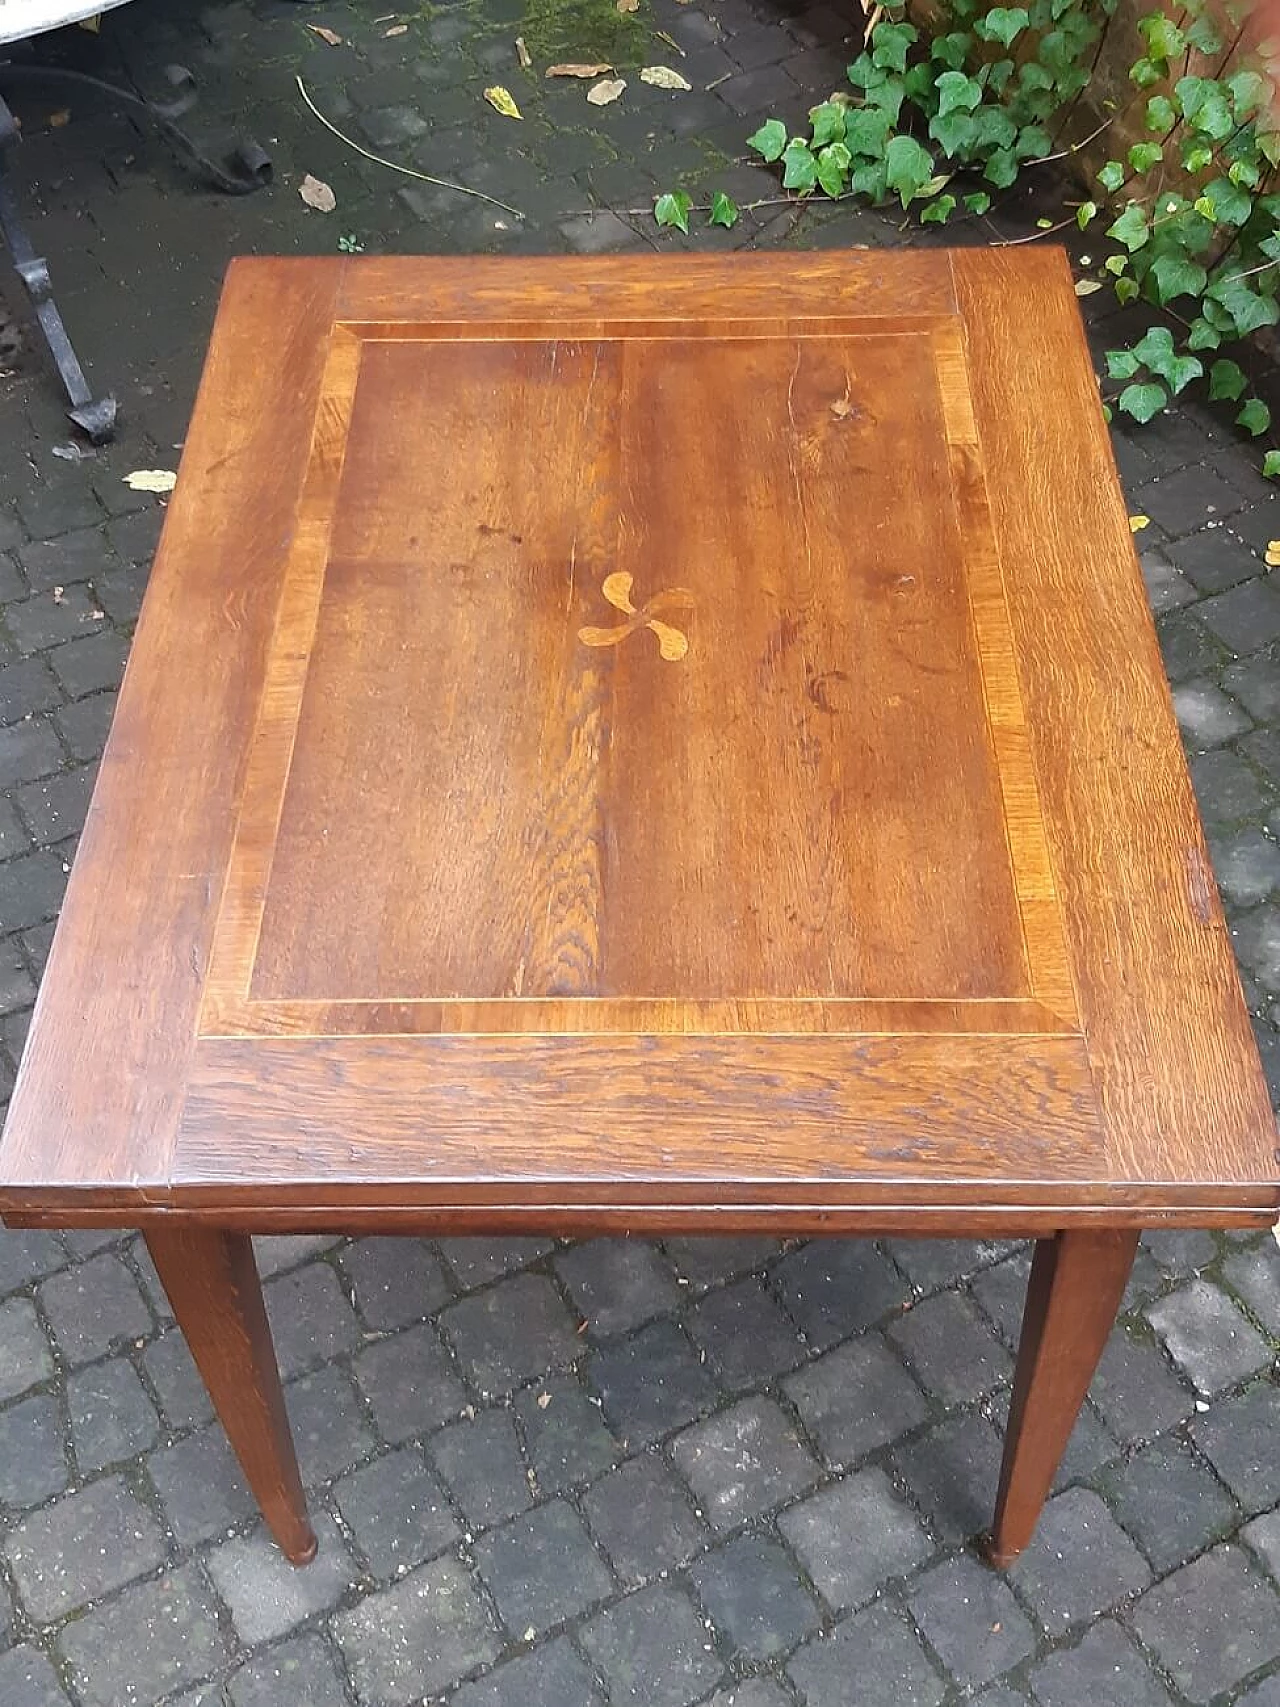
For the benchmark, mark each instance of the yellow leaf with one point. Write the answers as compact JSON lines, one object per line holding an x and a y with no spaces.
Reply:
{"x":317,"y":194}
{"x":1137,"y":523}
{"x":663,"y":77}
{"x":1086,"y":287}
{"x":151,"y":480}
{"x":396,"y":30}
{"x":501,"y":102}
{"x":577,"y":70}
{"x":601,"y":94}
{"x":628,"y":5}
{"x":1273,"y":554}
{"x":93,"y":25}
{"x":326,"y":34}
{"x":523,"y":54}
{"x":58,"y":119}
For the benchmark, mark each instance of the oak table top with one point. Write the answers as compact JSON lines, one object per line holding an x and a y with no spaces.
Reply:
{"x":635,"y":741}
{"x":654,"y":745}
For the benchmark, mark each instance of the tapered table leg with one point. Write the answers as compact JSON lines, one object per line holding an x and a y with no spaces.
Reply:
{"x":1077,"y":1281}
{"x":212,"y":1282}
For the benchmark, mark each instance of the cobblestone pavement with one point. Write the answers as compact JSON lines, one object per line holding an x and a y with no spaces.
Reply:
{"x":732,"y":1472}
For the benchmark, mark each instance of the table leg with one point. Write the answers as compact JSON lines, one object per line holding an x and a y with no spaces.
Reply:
{"x":213,"y":1286}
{"x":1077,"y":1281}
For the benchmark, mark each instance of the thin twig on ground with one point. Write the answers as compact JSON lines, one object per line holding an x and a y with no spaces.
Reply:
{"x":395,"y":166}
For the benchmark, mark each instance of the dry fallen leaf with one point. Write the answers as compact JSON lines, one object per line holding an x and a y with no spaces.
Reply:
{"x":396,"y":30}
{"x":317,"y":194}
{"x":577,"y":70}
{"x":663,"y":77}
{"x":58,"y":119}
{"x":523,"y":54}
{"x":544,"y":1399}
{"x":59,"y":595}
{"x":151,"y":480}
{"x":601,"y":94}
{"x":326,"y":34}
{"x":1137,"y":523}
{"x":1273,"y":554}
{"x":628,"y":5}
{"x":501,"y":102}
{"x":842,"y":408}
{"x":1086,"y":287}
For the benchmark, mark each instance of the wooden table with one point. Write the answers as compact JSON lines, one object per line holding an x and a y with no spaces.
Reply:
{"x":644,"y":745}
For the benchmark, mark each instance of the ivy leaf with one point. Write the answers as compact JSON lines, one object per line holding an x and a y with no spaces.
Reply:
{"x":1164,"y":39}
{"x":1147,"y":71}
{"x":1085,"y":212}
{"x":1160,"y":113}
{"x":1249,"y":92}
{"x":1121,"y":364}
{"x":1196,"y":155}
{"x":1003,"y":24}
{"x":938,"y":212}
{"x":889,"y":44}
{"x":1132,"y":228}
{"x":978,"y":202}
{"x":994,"y":128}
{"x":828,"y":121}
{"x":724,"y":210}
{"x":1269,"y":146}
{"x":1271,"y":465}
{"x":673,"y":209}
{"x":769,"y":140}
{"x":1142,"y":401}
{"x":1144,"y":155}
{"x":954,"y":132}
{"x":1126,"y":290}
{"x":1255,"y":417}
{"x":1204,"y":107}
{"x":1232,"y":206}
{"x":1116,"y":264}
{"x":952,"y":50}
{"x":1226,"y":380}
{"x":833,"y":164}
{"x":907,"y":167}
{"x":868,"y":180}
{"x":1001,"y":168}
{"x":799,"y":166}
{"x":1111,"y":176}
{"x":1175,"y":275}
{"x":866,"y":130}
{"x":1033,"y":143}
{"x":956,"y":93}
{"x":1202,"y":336}
{"x":1203,"y":37}
{"x":1246,"y":309}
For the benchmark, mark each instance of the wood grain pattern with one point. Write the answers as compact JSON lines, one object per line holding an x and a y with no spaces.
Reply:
{"x":1170,"y":1043}
{"x":212,"y":1282}
{"x":104,"y":1072}
{"x":1077,"y":1281}
{"x":470,"y":290}
{"x":580,"y":1116}
{"x":847,"y":869}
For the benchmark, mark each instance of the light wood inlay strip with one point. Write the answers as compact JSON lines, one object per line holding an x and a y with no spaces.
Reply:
{"x":240,"y":918}
{"x":570,"y":1016}
{"x":618,"y":328}
{"x":1048,"y":961}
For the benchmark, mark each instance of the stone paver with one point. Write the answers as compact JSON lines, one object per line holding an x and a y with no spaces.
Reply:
{"x":733,"y":1472}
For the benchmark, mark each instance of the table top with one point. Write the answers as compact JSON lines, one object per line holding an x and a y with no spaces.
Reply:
{"x":645,"y":742}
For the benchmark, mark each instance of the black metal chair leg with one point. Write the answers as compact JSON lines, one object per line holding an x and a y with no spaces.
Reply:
{"x":97,"y":416}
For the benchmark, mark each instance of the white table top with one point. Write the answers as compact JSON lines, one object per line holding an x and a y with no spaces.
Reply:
{"x":19,"y":18}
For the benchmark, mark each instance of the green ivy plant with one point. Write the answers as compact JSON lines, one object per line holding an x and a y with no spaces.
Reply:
{"x":1187,"y":220}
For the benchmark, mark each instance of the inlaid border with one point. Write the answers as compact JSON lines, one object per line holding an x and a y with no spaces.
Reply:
{"x":228,"y":1010}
